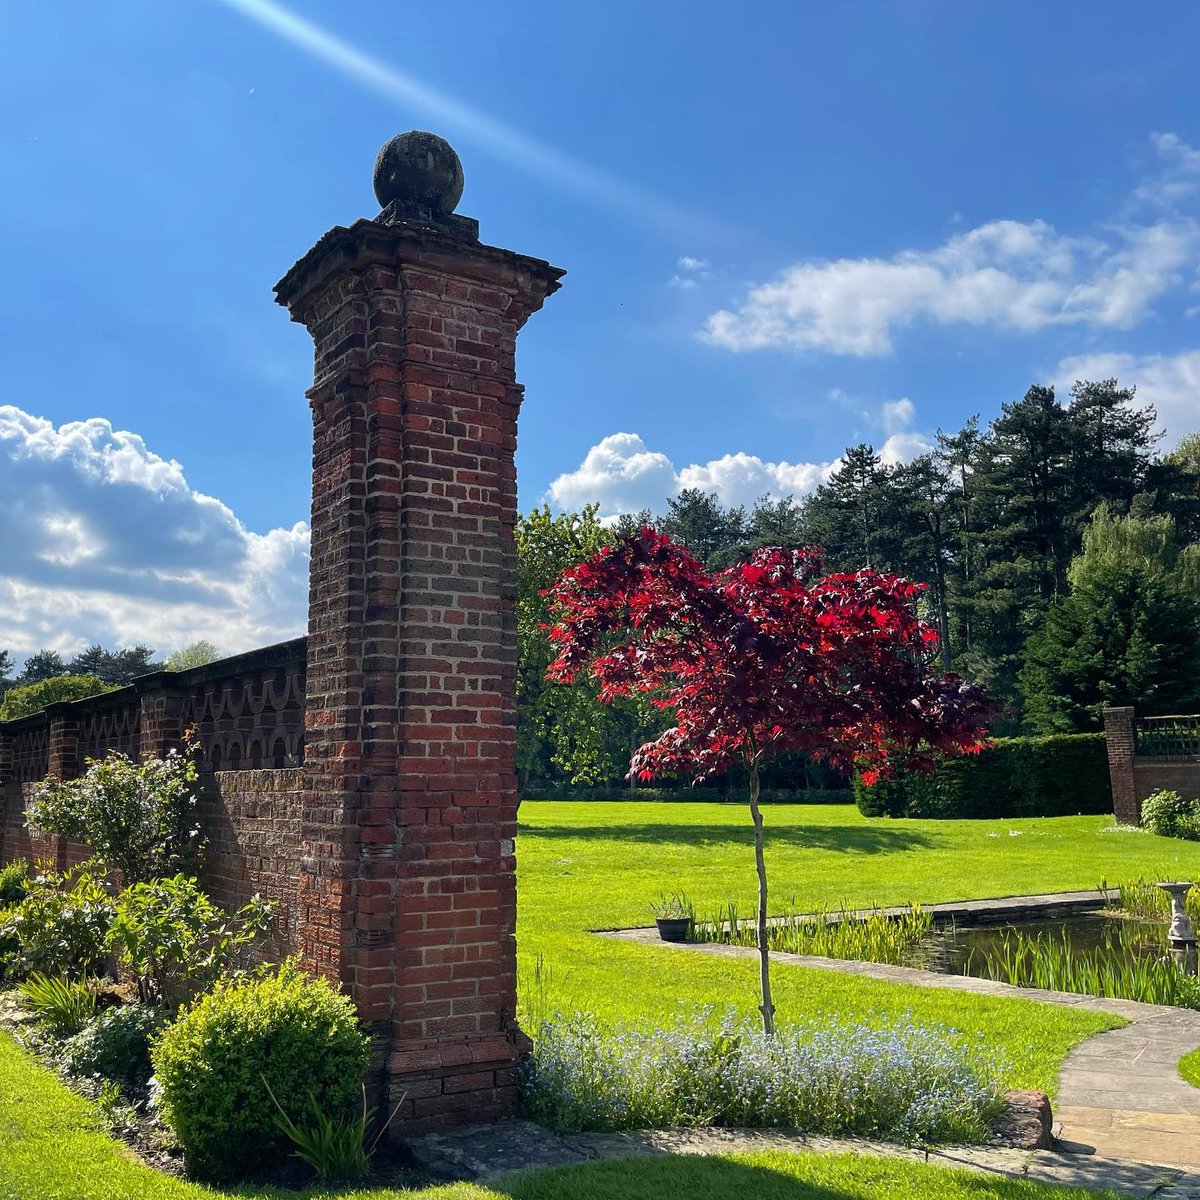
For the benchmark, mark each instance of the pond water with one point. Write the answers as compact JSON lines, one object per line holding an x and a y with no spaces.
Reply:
{"x":1103,"y":936}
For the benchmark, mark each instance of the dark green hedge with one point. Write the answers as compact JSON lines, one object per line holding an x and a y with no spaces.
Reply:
{"x":1061,"y":775}
{"x":734,"y":795}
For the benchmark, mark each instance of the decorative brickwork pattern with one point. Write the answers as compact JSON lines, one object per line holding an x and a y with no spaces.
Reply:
{"x":1167,"y":737}
{"x":29,"y":755}
{"x":407,"y":884}
{"x":249,"y":713}
{"x":112,"y":726}
{"x":251,"y":718}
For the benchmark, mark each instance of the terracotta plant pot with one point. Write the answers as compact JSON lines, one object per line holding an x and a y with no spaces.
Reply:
{"x":673,"y":929}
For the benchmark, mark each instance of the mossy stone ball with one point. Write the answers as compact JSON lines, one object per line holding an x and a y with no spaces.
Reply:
{"x":419,"y":168}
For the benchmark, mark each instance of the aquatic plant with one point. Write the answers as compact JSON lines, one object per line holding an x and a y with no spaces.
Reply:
{"x":1131,"y":963}
{"x":874,"y":936}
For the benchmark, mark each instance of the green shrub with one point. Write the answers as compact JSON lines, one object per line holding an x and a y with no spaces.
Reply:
{"x":287,"y":1031}
{"x":64,"y":1006}
{"x":138,"y":817}
{"x":60,"y":928}
{"x":23,"y":701}
{"x":1060,"y":775}
{"x":14,"y":882}
{"x":1170,"y":815}
{"x":177,"y":941}
{"x":115,"y":1045}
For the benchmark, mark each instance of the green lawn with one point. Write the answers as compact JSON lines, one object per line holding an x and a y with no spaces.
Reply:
{"x":1189,"y":1068}
{"x":586,"y":866}
{"x":52,"y":1148}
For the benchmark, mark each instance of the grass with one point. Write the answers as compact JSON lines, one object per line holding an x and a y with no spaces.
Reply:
{"x":595,"y":865}
{"x":585,"y":866}
{"x":1189,"y":1068}
{"x":52,"y":1148}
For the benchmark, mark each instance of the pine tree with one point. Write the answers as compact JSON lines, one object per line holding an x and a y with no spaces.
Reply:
{"x":40,"y":665}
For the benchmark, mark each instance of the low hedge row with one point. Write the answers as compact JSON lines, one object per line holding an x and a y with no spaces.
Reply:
{"x":733,"y":795}
{"x":1064,"y":774}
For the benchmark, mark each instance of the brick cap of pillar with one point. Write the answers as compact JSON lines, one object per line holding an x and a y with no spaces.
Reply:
{"x":1120,"y":711}
{"x":418,"y":179}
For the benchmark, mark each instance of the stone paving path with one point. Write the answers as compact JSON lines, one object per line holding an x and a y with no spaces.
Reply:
{"x":485,"y":1152}
{"x":1120,"y":1096}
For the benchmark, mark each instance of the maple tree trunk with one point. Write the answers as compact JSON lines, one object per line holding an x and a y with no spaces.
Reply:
{"x":764,"y":958}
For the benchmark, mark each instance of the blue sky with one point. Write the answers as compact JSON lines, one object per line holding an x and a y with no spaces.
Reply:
{"x":787,"y":226}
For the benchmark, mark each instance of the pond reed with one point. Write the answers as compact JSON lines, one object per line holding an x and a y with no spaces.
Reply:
{"x":1146,"y":901}
{"x":1132,"y":963}
{"x":867,"y":937}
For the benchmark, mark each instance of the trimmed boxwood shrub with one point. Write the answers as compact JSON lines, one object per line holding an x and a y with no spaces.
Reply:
{"x":1064,"y":774}
{"x":296,"y":1032}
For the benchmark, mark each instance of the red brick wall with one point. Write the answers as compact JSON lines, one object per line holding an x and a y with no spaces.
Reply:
{"x":407,"y":891}
{"x":1118,"y":740}
{"x":1152,"y":775}
{"x":391,"y":851}
{"x":1134,"y":776}
{"x":251,"y":824}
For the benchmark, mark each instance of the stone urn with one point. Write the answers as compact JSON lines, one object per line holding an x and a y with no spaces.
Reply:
{"x":1182,"y":934}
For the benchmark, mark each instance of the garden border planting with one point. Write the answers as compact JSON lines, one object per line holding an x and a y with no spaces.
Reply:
{"x":1120,"y":1094}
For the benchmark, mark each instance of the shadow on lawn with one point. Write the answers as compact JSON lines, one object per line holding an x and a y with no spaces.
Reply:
{"x":676,"y":1177}
{"x":852,"y":840}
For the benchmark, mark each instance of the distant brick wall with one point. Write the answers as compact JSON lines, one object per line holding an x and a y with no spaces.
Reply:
{"x":1141,"y":760}
{"x":247,"y":711}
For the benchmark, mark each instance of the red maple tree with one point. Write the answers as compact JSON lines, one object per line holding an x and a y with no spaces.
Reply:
{"x":761,"y":658}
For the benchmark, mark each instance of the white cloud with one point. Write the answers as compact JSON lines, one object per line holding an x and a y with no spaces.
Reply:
{"x":104,"y":540}
{"x":1017,"y":275}
{"x":896,"y":415}
{"x":622,"y":474}
{"x":1171,"y":383}
{"x":692,"y":270}
{"x":1179,"y":178}
{"x":1007,"y":273}
{"x":903,"y":447}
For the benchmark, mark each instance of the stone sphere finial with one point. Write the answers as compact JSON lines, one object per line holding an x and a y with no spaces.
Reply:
{"x":419,"y":169}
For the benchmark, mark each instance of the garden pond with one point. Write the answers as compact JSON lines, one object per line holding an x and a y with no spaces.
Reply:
{"x":1114,"y":952}
{"x":981,"y":950}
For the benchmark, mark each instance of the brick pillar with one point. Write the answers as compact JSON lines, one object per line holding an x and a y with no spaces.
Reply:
{"x":63,"y":760}
{"x":160,"y":720}
{"x":6,"y":790}
{"x":407,"y":889}
{"x":1118,"y":738}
